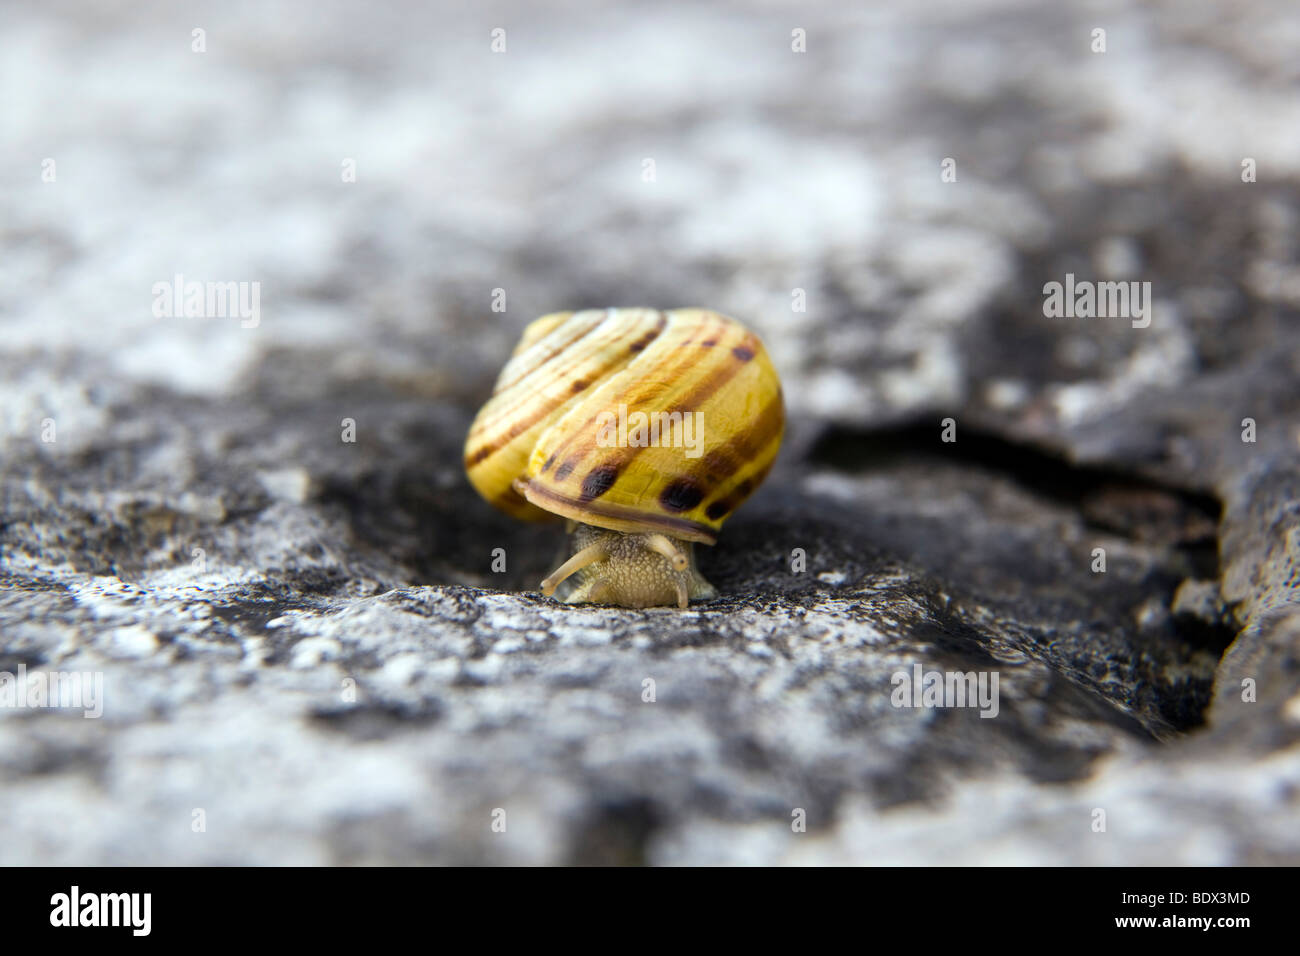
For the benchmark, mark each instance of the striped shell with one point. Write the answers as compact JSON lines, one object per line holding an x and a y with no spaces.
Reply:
{"x":536,"y":446}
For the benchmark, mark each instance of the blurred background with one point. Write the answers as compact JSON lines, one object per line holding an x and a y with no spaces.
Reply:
{"x":881,"y":191}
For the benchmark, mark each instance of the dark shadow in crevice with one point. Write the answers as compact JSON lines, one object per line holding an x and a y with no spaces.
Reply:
{"x":1108,"y":499}
{"x":1181,"y":522}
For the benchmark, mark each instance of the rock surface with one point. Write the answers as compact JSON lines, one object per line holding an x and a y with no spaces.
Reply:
{"x":305,"y":654}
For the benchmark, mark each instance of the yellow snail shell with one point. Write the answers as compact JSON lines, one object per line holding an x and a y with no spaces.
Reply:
{"x":648,"y":428}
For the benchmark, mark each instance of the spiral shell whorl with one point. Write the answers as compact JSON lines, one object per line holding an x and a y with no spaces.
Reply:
{"x":533,"y":448}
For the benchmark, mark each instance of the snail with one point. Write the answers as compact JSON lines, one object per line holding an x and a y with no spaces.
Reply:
{"x":644,"y":428}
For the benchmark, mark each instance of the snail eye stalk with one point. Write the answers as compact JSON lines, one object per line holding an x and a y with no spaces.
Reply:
{"x":588,"y":555}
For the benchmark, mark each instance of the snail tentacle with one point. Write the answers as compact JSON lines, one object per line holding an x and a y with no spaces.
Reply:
{"x":661,"y":544}
{"x":588,"y":555}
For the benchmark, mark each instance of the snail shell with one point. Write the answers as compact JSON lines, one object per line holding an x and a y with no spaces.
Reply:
{"x":537,"y":448}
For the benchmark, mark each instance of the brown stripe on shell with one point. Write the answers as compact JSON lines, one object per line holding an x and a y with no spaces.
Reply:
{"x":598,"y":481}
{"x":559,"y":350}
{"x":633,"y":400}
{"x":519,"y":427}
{"x":681,"y":494}
{"x":724,"y":506}
{"x":512,"y":502}
{"x":737,"y":453}
{"x":693,"y":399}
{"x":727,"y":460}
{"x":640,"y":344}
{"x":560,"y":504}
{"x":509,"y":410}
{"x":624,"y":456}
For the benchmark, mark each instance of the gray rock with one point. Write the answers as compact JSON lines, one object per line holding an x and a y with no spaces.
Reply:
{"x":305,"y":655}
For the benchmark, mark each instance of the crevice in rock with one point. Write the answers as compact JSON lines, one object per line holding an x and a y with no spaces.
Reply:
{"x":1179,"y":525}
{"x":1108,"y":499}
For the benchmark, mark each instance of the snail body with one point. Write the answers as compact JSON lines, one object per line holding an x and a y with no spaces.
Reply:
{"x":645,"y":428}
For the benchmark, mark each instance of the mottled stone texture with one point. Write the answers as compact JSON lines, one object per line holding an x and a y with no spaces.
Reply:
{"x":303,"y":638}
